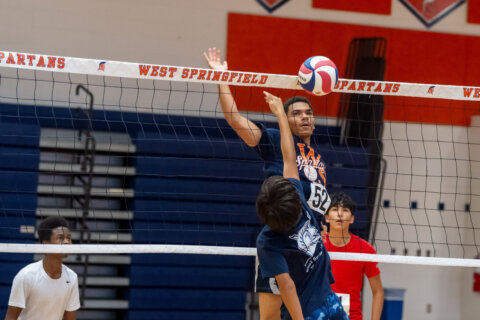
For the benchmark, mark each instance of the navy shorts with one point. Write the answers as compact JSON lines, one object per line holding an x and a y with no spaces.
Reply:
{"x":331,"y":309}
{"x":267,"y":285}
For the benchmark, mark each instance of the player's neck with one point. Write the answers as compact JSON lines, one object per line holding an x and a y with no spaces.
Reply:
{"x":306,"y":140}
{"x":339,"y":238}
{"x":53,"y":266}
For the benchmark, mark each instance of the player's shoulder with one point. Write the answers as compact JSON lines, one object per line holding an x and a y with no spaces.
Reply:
{"x":33,"y":267}
{"x":297,"y":183}
{"x":364,"y":246}
{"x":271,"y":132}
{"x":69,"y":272}
{"x":262,"y":238}
{"x":30,"y":271}
{"x":269,"y":239}
{"x":270,"y":136}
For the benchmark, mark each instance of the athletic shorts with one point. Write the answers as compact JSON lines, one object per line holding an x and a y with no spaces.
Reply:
{"x":331,"y":309}
{"x":267,"y":285}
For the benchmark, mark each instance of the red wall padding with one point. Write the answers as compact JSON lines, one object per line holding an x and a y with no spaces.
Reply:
{"x":368,"y":6}
{"x":280,"y":45}
{"x":473,"y":15}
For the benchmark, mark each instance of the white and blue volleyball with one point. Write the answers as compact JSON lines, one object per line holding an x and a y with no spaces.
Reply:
{"x":318,"y":75}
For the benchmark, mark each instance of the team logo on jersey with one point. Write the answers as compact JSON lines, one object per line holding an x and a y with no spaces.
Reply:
{"x":312,"y":165}
{"x":307,"y":238}
{"x":431,"y":11}
{"x":431,"y":89}
{"x":272,"y":5}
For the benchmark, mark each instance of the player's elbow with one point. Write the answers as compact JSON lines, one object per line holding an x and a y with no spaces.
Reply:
{"x":378,"y":291}
{"x":251,"y":144}
{"x":248,"y":133}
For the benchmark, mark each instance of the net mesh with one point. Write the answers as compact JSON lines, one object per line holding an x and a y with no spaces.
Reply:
{"x":139,"y":159}
{"x":147,"y":158}
{"x":158,"y":142}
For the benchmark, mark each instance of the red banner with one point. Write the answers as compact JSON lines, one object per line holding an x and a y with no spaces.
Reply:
{"x":473,"y":15}
{"x":280,"y":45}
{"x":365,"y":6}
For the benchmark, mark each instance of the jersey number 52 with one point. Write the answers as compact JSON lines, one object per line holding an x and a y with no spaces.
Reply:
{"x":319,"y":200}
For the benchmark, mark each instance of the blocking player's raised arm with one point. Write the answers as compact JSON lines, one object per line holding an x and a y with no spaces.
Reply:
{"x":246,"y":129}
{"x":290,"y":169}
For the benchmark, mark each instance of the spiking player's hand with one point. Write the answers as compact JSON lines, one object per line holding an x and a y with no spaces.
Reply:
{"x":275,"y":103}
{"x":212,"y":56}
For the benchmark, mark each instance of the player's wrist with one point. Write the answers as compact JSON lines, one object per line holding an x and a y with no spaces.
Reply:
{"x":280,"y":114}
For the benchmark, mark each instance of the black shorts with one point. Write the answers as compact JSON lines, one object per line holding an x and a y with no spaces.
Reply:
{"x":267,"y":285}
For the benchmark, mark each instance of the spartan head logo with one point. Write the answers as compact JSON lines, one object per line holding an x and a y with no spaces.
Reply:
{"x":101,"y":66}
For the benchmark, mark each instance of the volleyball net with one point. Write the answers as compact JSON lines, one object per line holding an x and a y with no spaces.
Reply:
{"x":139,"y":159}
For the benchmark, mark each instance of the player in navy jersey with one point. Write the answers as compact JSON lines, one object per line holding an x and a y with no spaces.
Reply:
{"x":290,"y":246}
{"x":266,"y":142}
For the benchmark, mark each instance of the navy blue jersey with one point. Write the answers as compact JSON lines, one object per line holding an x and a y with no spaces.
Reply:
{"x":301,"y":253}
{"x":311,"y":167}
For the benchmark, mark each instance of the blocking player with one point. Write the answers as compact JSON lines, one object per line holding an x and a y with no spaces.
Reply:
{"x":290,"y":246}
{"x":349,"y":274}
{"x":266,"y":142}
{"x":46,"y":289}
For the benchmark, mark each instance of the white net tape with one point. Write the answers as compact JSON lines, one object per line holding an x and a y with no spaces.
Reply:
{"x":219,"y":250}
{"x":199,"y":75}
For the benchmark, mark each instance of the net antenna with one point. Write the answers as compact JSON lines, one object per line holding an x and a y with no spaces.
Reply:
{"x":87,"y":163}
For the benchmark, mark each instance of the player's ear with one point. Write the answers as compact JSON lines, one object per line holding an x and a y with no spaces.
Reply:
{"x":352,"y":218}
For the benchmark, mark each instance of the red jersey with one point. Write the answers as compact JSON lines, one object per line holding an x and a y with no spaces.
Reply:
{"x":349,"y":274}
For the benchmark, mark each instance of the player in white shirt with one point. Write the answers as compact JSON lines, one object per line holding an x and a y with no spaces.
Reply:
{"x":46,"y":289}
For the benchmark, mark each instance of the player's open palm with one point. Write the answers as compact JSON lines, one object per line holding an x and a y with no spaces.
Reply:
{"x":275,"y":103}
{"x":213,"y":56}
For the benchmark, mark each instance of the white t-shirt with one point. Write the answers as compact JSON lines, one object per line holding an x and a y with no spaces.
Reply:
{"x":42,"y":297}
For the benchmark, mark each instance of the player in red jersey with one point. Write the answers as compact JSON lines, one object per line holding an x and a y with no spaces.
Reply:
{"x":349,"y":274}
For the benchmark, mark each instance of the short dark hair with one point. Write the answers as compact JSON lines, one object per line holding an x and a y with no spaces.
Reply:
{"x":278,"y":204}
{"x":46,"y":226}
{"x":294,"y":99}
{"x":341,"y":199}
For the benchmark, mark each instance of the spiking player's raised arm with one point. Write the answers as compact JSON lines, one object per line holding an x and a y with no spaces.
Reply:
{"x":290,"y":169}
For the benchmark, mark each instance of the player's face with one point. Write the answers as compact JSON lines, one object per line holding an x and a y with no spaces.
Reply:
{"x":300,"y":119}
{"x":339,"y":218}
{"x":60,"y":235}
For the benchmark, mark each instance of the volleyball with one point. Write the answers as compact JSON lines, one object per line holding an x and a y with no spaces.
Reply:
{"x":318,"y":75}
